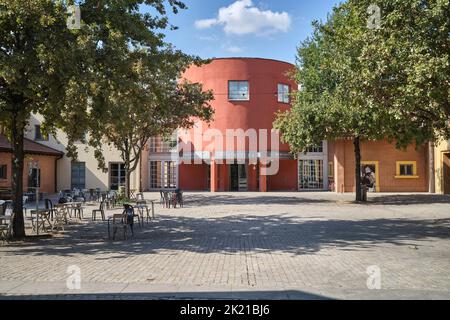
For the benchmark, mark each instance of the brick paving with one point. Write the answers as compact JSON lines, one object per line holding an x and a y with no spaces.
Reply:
{"x":274,"y":245}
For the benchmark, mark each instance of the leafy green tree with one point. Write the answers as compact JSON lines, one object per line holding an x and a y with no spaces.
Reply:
{"x":150,"y":102}
{"x":365,"y":83}
{"x":62,"y":73}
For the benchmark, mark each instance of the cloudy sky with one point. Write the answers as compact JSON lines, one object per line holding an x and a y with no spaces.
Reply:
{"x":249,"y":28}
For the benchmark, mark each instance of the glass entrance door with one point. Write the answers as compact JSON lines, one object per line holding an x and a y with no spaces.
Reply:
{"x":310,"y":174}
{"x":163,"y":175}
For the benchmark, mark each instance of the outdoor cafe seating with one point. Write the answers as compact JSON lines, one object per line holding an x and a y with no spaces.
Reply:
{"x":123,"y":221}
{"x":171,"y":198}
{"x":41,"y":220}
{"x":6,"y":220}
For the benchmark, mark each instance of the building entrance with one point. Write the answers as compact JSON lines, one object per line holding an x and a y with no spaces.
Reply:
{"x":238,"y":177}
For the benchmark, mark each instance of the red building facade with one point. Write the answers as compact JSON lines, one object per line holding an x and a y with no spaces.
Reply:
{"x":247,"y":94}
{"x":238,"y":152}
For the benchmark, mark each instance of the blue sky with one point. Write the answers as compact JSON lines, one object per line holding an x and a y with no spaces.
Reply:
{"x":248,"y":28}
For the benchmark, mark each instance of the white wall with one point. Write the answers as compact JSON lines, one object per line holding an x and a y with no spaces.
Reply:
{"x":95,"y":178}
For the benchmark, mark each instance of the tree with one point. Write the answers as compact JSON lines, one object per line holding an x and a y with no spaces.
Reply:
{"x":49,"y":69}
{"x":150,"y":102}
{"x":359,"y":83}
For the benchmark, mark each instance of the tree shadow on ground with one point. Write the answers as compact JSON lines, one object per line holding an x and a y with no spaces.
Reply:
{"x":234,"y":234}
{"x":408,"y":199}
{"x":199,"y":295}
{"x":215,"y":199}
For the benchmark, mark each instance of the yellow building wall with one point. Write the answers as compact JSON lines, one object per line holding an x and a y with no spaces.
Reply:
{"x":440,"y":149}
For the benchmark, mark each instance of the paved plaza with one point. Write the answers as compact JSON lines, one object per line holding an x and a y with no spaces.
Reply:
{"x":247,"y":245}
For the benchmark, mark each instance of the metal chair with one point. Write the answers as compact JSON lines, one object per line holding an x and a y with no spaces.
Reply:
{"x":59,"y":219}
{"x":77,"y":208}
{"x":40,"y":220}
{"x":110,"y":200}
{"x":130,"y":208}
{"x":161,"y":198}
{"x":166,"y":199}
{"x":6,"y":230}
{"x":177,"y":198}
{"x":120,"y":221}
{"x":49,"y":206}
{"x":100,"y":210}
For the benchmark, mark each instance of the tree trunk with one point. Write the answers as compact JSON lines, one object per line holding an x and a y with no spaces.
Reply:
{"x":17,"y":134}
{"x":356,"y":143}
{"x":127,"y":181}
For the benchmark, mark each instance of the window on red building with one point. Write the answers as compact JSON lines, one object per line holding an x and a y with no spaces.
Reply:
{"x":283,"y":93}
{"x":238,"y":90}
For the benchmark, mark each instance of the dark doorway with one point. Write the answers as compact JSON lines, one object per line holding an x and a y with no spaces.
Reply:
{"x":234,"y":177}
{"x":238,"y":177}
{"x":446,"y":173}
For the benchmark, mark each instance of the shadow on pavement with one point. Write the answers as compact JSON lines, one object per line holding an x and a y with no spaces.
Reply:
{"x":234,"y":234}
{"x":238,"y":295}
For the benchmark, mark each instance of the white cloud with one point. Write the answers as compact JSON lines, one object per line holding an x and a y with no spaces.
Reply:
{"x":207,"y":38}
{"x":233,"y":49}
{"x":205,"y":24}
{"x":242,"y":17}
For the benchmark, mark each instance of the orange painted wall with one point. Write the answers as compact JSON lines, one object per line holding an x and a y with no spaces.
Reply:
{"x":193,"y":177}
{"x":258,"y":113}
{"x":263,"y":76}
{"x":387,"y":155}
{"x":224,"y":177}
{"x":47,"y":165}
{"x":252,"y":177}
{"x":286,"y":179}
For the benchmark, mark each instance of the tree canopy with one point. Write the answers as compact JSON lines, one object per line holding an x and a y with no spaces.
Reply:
{"x":362,"y":83}
{"x":67,"y":74}
{"x":150,"y":102}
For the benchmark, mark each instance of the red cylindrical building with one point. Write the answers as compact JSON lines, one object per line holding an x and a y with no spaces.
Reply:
{"x":248,"y":92}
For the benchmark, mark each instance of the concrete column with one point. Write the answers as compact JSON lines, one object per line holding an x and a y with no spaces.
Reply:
{"x":214,"y":176}
{"x":339,"y":162}
{"x":262,"y":179}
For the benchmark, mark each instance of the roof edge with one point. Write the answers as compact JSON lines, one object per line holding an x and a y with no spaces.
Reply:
{"x":252,"y":58}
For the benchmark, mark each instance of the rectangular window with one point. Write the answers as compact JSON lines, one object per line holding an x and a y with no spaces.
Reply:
{"x":163,"y":144}
{"x":34,"y":177}
{"x":330,"y":169}
{"x":155,"y":174}
{"x":170,"y":174}
{"x":163,"y":175}
{"x":316,"y":149}
{"x":116,"y":175}
{"x":78,"y":176}
{"x":406,"y":169}
{"x":38,"y":135}
{"x":283,"y":93}
{"x":310,"y":174}
{"x":3,"y":172}
{"x":238,"y":91}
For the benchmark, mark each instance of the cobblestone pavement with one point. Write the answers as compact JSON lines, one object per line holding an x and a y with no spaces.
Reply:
{"x":248,"y":245}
